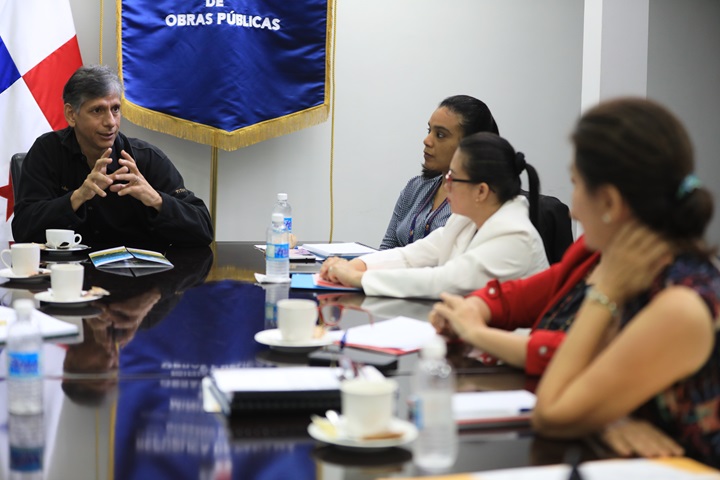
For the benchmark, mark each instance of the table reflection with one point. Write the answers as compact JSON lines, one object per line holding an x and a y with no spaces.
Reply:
{"x":123,"y":400}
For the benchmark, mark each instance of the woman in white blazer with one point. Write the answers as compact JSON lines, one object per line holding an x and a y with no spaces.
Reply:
{"x":490,"y":234}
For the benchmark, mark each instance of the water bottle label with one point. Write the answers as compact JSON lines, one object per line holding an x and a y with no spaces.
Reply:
{"x":288,"y":224}
{"x":24,"y":364}
{"x":415,"y":411}
{"x":270,"y":315}
{"x":26,"y":459}
{"x":277,"y":250}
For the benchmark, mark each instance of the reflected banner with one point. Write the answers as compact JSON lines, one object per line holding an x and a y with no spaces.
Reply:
{"x":226,"y":73}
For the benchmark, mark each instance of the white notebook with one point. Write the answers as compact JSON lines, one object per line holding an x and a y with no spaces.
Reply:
{"x":478,"y":408}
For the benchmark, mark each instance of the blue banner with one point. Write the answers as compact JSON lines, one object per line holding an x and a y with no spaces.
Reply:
{"x":226,"y":73}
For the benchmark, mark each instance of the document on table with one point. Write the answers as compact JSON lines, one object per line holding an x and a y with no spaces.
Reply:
{"x":398,"y":336}
{"x":276,"y":379}
{"x":491,"y":408}
{"x":346,"y":250}
{"x":296,"y":254}
{"x":636,"y":468}
{"x":49,"y":327}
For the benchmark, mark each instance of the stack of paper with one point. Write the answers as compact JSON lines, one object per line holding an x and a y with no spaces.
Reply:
{"x":346,"y":250}
{"x":296,"y":254}
{"x":272,"y":390}
{"x":495,"y":408}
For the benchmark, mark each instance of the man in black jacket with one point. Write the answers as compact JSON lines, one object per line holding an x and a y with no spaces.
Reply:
{"x":91,"y":178}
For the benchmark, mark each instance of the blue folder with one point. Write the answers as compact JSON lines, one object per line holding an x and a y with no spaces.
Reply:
{"x":304,"y":281}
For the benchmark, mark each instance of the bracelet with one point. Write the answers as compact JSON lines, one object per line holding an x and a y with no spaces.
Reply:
{"x":597,"y":296}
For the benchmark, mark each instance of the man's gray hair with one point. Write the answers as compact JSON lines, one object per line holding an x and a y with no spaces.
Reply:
{"x":90,"y":82}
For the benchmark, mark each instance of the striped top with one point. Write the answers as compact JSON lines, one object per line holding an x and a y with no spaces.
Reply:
{"x":413,"y":217}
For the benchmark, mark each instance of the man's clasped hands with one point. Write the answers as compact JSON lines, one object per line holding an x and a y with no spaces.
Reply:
{"x":127,"y":180}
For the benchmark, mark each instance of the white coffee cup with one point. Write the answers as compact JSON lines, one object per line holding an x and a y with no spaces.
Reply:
{"x":24,"y":258}
{"x":57,"y":236}
{"x":296,"y":319}
{"x":368,"y":405}
{"x":66,"y":280}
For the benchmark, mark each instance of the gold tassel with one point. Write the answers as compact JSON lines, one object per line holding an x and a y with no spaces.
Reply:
{"x":217,"y":137}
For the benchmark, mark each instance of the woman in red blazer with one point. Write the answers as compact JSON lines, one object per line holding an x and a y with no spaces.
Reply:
{"x":642,"y":322}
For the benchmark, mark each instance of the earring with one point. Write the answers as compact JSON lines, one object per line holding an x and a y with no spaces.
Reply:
{"x":606,"y":218}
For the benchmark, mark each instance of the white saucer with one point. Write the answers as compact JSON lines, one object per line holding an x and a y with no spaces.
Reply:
{"x":47,"y":297}
{"x":274,"y":340}
{"x":75,"y":248}
{"x":408,"y":430}
{"x":42,"y":273}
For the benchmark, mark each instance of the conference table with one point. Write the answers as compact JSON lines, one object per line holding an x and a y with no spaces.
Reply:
{"x":124,"y":398}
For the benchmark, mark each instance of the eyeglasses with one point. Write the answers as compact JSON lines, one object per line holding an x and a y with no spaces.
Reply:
{"x":449,"y":180}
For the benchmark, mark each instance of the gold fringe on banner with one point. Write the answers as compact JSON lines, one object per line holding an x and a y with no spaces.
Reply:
{"x":241,"y":137}
{"x":217,"y":137}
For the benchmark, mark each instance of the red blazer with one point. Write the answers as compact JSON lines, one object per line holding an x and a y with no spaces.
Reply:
{"x":523,"y":303}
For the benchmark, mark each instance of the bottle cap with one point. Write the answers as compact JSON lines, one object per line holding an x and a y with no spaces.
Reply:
{"x":435,"y":348}
{"x":282,"y":196}
{"x":278,"y":218}
{"x":24,"y":305}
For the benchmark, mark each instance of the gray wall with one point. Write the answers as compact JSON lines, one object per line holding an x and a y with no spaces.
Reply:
{"x":395,"y":61}
{"x":684,"y":74}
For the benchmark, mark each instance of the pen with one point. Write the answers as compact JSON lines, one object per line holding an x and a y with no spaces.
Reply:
{"x":343,"y":340}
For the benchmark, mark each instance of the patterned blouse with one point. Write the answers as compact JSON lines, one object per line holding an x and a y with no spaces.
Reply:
{"x":562,"y":314}
{"x":689,"y":410}
{"x":413,"y":217}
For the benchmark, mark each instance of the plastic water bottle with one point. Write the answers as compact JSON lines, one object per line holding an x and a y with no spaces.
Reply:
{"x":24,"y":351}
{"x":435,"y":449}
{"x":26,"y":436}
{"x":274,"y":292}
{"x":277,"y":251}
{"x":282,"y":206}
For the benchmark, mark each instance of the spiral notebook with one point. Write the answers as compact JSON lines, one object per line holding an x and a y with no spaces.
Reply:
{"x":251,"y":391}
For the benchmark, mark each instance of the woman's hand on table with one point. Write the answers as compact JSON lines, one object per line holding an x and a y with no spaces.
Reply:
{"x":631,"y":437}
{"x":342,"y":271}
{"x":456,"y":315}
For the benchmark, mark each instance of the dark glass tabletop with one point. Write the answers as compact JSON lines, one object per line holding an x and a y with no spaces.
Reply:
{"x":124,"y":399}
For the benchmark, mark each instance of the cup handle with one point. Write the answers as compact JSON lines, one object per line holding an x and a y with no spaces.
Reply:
{"x":77,"y":239}
{"x":2,"y":257}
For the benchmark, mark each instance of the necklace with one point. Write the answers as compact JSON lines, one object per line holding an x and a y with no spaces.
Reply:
{"x":430,"y":218}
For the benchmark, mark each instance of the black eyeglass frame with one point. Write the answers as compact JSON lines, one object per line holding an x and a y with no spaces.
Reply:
{"x":450,"y":179}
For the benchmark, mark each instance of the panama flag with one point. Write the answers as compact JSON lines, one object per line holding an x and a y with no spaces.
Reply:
{"x":38,"y":53}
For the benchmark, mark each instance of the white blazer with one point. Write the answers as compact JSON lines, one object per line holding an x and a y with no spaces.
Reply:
{"x":459,"y":258}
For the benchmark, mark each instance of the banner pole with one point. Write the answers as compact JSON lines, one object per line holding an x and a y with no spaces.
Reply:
{"x":213,"y":188}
